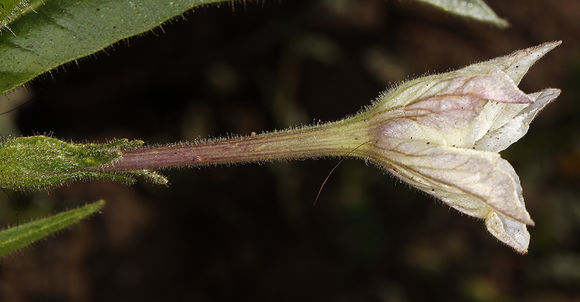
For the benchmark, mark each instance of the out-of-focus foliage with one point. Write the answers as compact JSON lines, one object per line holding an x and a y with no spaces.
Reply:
{"x":475,"y":9}
{"x":9,"y":104}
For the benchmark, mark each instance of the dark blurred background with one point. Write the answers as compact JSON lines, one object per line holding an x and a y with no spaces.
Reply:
{"x":251,"y":232}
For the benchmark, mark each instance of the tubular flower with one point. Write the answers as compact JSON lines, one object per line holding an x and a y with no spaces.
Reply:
{"x":442,"y":134}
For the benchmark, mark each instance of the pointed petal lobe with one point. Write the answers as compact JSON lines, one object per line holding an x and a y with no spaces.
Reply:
{"x":516,"y":64}
{"x":508,"y":231}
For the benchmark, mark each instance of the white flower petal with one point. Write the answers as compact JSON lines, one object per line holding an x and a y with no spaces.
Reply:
{"x":494,"y":115}
{"x":450,"y":195}
{"x":508,"y":231}
{"x":453,"y":111}
{"x":461,"y":178}
{"x":501,"y":138}
{"x":490,"y":83}
{"x":516,"y":64}
{"x":494,"y":85}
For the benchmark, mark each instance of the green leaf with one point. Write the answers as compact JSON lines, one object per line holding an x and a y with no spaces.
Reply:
{"x":475,"y":9}
{"x":20,"y":236}
{"x":65,"y":30}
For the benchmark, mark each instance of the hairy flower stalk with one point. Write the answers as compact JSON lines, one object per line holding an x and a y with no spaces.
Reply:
{"x":439,"y":133}
{"x":332,"y":139}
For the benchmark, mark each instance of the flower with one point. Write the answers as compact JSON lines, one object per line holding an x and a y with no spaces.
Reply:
{"x":442,"y":134}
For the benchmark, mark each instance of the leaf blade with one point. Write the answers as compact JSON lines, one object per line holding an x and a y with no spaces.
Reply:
{"x":20,"y":236}
{"x":65,"y":30}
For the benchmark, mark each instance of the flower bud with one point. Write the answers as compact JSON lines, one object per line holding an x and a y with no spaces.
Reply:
{"x":441,"y":134}
{"x":40,"y":162}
